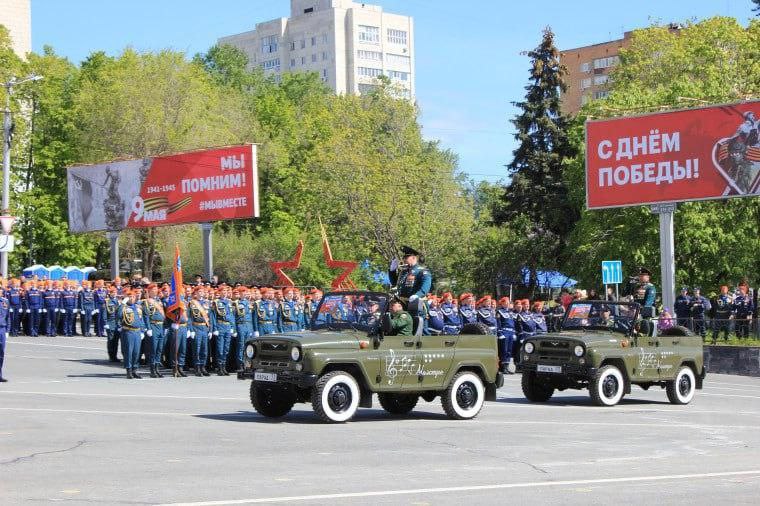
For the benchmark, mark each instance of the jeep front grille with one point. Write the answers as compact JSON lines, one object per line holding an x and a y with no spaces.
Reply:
{"x":274,"y":351}
{"x":550,"y":350}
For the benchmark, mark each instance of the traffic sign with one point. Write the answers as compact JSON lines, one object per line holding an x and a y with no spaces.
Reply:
{"x":612,"y":272}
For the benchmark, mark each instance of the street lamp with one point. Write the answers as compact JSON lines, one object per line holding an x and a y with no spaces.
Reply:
{"x":7,"y":127}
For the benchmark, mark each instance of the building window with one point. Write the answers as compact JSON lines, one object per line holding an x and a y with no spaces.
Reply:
{"x":369,"y":34}
{"x":324,"y":73}
{"x":313,"y":41}
{"x":401,"y":76}
{"x":314,"y":58}
{"x":369,"y":71}
{"x":397,"y":59}
{"x":601,"y":94}
{"x":292,"y":62}
{"x":324,"y":55}
{"x":397,"y":36}
{"x":324,"y":38}
{"x":602,"y":79}
{"x":586,"y":83}
{"x":309,"y":10}
{"x":303,"y":60}
{"x":292,"y":45}
{"x":273,"y":64}
{"x":586,"y":67}
{"x":367,"y":88}
{"x":269,"y":44}
{"x":303,"y":43}
{"x":603,"y":63}
{"x":369,"y":55}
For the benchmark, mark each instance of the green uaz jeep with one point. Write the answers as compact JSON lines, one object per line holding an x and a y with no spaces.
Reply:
{"x":349,"y":354}
{"x":606,"y":347}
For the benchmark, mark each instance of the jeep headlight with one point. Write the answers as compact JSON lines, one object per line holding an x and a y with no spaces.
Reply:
{"x":529,"y":347}
{"x":579,"y":351}
{"x":295,"y":353}
{"x":250,"y":351}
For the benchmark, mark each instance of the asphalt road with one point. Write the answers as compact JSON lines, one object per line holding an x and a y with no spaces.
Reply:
{"x":74,"y":430}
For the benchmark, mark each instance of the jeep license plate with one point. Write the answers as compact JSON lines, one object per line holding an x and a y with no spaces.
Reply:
{"x":549,"y":368}
{"x":265,"y":376}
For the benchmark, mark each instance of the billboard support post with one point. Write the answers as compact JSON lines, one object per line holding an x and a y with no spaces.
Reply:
{"x":208,"y":255}
{"x":667,"y":254}
{"x":113,"y":238}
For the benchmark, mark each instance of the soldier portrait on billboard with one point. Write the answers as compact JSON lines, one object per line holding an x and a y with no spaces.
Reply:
{"x":739,"y":157}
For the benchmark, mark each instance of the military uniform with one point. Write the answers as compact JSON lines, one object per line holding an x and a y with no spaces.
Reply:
{"x":15,"y":298}
{"x":34,"y":306}
{"x":724,"y":312}
{"x":682,"y":308}
{"x":291,"y":316}
{"x":468,"y":314}
{"x":411,"y":282}
{"x":243,"y":312}
{"x":52,"y":304}
{"x":267,"y":317}
{"x":111,"y":327}
{"x":68,"y":311}
{"x":435,"y":323}
{"x":505,"y":331}
{"x":401,"y":324}
{"x":86,"y":303}
{"x":153,"y":314}
{"x":743,"y":309}
{"x":452,"y":321}
{"x":199,"y":322}
{"x":222,"y":327}
{"x":699,"y":305}
{"x":486,"y":316}
{"x":100,"y":294}
{"x":5,"y":325}
{"x":129,"y":320}
{"x":178,"y":341}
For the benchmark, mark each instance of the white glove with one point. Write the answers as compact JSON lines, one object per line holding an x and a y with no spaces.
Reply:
{"x":95,"y":311}
{"x":175,"y":326}
{"x":215,"y":333}
{"x":142,"y":336}
{"x":56,"y":310}
{"x":44,"y":310}
{"x":28,"y":310}
{"x":234,"y":334}
{"x":106,"y":327}
{"x":11,"y":310}
{"x":7,"y":335}
{"x":256,"y":333}
{"x":125,"y":300}
{"x":63,"y":311}
{"x":191,"y":335}
{"x":394,"y":265}
{"x":413,"y":298}
{"x":149,"y":333}
{"x":83,"y":311}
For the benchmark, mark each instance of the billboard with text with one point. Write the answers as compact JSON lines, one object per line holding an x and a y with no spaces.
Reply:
{"x":198,"y":186}
{"x":691,"y":154}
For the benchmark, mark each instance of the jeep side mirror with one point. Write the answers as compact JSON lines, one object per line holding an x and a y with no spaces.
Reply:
{"x":386,"y":324}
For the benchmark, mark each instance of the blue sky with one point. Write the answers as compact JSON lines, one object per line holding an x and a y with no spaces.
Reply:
{"x":469,"y":67}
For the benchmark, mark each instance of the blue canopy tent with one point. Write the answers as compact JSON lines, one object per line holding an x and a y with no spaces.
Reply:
{"x":38,"y":270}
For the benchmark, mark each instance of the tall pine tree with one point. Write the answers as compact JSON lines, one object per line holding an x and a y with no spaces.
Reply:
{"x":537,"y":195}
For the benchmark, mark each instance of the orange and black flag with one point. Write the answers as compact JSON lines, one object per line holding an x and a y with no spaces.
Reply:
{"x":174,"y":306}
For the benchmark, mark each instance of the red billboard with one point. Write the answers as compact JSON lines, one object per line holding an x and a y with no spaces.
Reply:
{"x":692,"y":154}
{"x":198,"y":186}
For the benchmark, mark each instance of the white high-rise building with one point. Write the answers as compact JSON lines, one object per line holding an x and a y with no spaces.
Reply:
{"x":16,"y":16}
{"x":348,"y":44}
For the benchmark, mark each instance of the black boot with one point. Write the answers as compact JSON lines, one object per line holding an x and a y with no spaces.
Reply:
{"x":135,"y":375}
{"x":198,"y":371}
{"x":153,"y":372}
{"x":175,"y":372}
{"x":205,"y":372}
{"x":220,"y":371}
{"x":129,"y":374}
{"x":181,"y":372}
{"x":158,"y":371}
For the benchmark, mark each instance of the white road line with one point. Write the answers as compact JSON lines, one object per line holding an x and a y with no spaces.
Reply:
{"x":146,"y":396}
{"x":473,"y":488}
{"x":56,"y":345}
{"x":627,"y":408}
{"x":101,"y":412}
{"x":730,"y":395}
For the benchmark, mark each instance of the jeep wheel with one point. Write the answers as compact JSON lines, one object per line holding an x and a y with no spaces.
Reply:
{"x":398,"y":404}
{"x":477,"y":329}
{"x":271,"y":401}
{"x":607,"y":387}
{"x":533,"y":390}
{"x":463,"y":399}
{"x":335,"y":397}
{"x":681,"y":390}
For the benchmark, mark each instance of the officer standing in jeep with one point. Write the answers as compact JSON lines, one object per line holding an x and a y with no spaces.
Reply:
{"x":650,"y":291}
{"x":412,"y":280}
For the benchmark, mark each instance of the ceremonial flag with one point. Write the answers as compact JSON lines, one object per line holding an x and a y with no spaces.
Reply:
{"x":174,"y":302}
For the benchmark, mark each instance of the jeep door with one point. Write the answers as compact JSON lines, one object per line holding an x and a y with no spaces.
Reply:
{"x":396,"y":358}
{"x":647,"y":359}
{"x":434,"y":357}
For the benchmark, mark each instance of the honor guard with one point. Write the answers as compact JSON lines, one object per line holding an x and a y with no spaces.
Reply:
{"x":86,"y":300}
{"x":537,"y":313}
{"x":743,"y":309}
{"x":129,"y":320}
{"x":267,"y":315}
{"x":412,"y":280}
{"x":178,"y":339}
{"x":525,"y":327}
{"x":101,"y":294}
{"x":5,"y":325}
{"x":68,"y":310}
{"x":15,"y":301}
{"x":190,"y":346}
{"x":111,"y":327}
{"x":316,"y":298}
{"x":241,"y":308}
{"x":52,"y":306}
{"x":682,"y":307}
{"x":505,"y":324}
{"x":650,"y":292}
{"x":485,"y":315}
{"x":435,"y":322}
{"x":291,"y":316}
{"x":199,"y":323}
{"x":34,"y":306}
{"x":467,"y":311}
{"x":222,"y":327}
{"x":699,"y":306}
{"x":153,"y":314}
{"x":724,"y":313}
{"x":452,"y":321}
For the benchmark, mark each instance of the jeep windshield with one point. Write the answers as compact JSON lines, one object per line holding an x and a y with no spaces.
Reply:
{"x":600,"y":315}
{"x":349,"y":310}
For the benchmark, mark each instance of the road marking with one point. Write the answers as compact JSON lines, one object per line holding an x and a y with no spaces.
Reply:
{"x":730,"y":395}
{"x":82,"y":394}
{"x":56,"y":345}
{"x":150,"y":413}
{"x":559,"y":404}
{"x":473,"y":488}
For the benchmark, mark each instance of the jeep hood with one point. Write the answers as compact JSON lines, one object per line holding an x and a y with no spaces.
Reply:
{"x":321,"y":339}
{"x":588,"y":338}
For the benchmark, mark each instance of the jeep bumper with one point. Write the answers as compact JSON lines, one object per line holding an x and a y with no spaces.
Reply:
{"x":572,"y":370}
{"x":295,"y":378}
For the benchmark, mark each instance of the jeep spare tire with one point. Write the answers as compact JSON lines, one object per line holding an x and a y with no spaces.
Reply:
{"x":463,"y":399}
{"x":271,"y":401}
{"x":335,"y":397}
{"x":474,"y":328}
{"x":398,"y":404}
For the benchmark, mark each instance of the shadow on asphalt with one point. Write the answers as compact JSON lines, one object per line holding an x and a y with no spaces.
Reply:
{"x":578,"y":400}
{"x":94,"y":361}
{"x":309,"y":418}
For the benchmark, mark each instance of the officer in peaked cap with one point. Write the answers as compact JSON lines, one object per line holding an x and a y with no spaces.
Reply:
{"x":649,"y":289}
{"x":412,"y":280}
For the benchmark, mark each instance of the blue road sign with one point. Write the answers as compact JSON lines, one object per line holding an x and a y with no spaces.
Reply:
{"x":612,"y":272}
